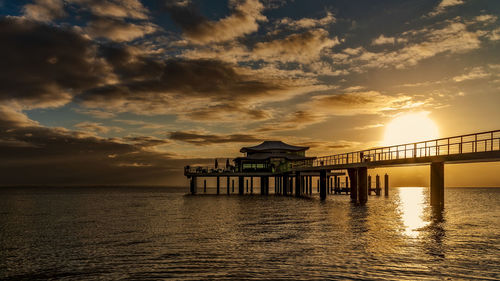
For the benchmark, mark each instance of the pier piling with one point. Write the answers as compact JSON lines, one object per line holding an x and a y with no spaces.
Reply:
{"x":218,"y":185}
{"x":353,"y":177}
{"x":227,"y":186}
{"x":204,"y":186}
{"x":377,"y":185}
{"x":192,"y":186}
{"x":362,"y":185}
{"x":437,"y":183}
{"x":241,"y":182}
{"x":322,"y":183}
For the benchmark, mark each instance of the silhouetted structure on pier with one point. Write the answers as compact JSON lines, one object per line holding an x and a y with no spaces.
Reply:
{"x":297,"y":170}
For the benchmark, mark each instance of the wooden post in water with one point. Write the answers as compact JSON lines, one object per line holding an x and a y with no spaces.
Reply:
{"x":317,"y":185}
{"x":327,"y":185}
{"x":386,"y":185}
{"x":362,"y":185}
{"x":227,"y":186}
{"x":377,"y":185}
{"x":218,"y":185}
{"x":232,"y":186}
{"x":437,"y":183}
{"x":204,"y":186}
{"x":348,"y":189}
{"x":247,"y":185}
{"x":335,"y":185}
{"x":322,"y":183}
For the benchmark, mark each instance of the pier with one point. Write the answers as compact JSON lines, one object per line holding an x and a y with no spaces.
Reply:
{"x":294,"y":174}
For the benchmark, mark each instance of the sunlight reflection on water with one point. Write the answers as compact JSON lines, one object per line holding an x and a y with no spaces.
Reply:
{"x":412,"y":201}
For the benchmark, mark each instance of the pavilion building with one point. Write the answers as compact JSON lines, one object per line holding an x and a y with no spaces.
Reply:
{"x":271,"y":156}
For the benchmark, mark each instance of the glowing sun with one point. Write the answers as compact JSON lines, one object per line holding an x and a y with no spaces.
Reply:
{"x":411,"y":127}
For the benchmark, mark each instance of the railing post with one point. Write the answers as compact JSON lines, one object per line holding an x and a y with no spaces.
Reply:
{"x":475,"y":143}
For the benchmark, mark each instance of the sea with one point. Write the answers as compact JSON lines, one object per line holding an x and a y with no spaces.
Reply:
{"x":157,"y":233}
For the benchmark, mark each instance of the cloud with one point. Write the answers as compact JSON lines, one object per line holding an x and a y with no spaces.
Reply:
{"x":382,"y":40}
{"x":445,"y":4}
{"x":119,"y":30}
{"x":45,"y":66}
{"x":454,"y":37}
{"x":199,"y":138}
{"x":114,"y":8}
{"x":302,"y":47}
{"x":305,"y":23}
{"x":96,"y":127}
{"x":44,"y":10}
{"x":355,"y":103}
{"x":146,"y":141}
{"x":96,"y":113}
{"x":474,"y":73}
{"x":293,"y":121}
{"x":197,"y":29}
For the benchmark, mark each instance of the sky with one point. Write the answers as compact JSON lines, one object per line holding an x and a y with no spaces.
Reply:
{"x":128,"y":92}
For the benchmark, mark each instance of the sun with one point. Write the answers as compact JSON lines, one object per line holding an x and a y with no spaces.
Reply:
{"x":411,"y":127}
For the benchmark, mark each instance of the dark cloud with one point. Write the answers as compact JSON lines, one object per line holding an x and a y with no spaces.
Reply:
{"x":44,"y":10}
{"x":159,"y":86}
{"x":33,"y":154}
{"x":198,"y":29}
{"x":118,"y":30}
{"x":206,"y":139}
{"x":45,"y":66}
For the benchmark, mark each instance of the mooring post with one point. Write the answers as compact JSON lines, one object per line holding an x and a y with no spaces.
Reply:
{"x":204,"y":186}
{"x":362,"y":185}
{"x":192,"y":186}
{"x":369,"y":185}
{"x":227,"y":186}
{"x":377,"y":185}
{"x":437,"y":183}
{"x":322,"y":184}
{"x":353,"y":178}
{"x":386,"y":185}
{"x":218,"y":185}
{"x":232,"y":186}
{"x":241,"y":188}
{"x":298,"y":186}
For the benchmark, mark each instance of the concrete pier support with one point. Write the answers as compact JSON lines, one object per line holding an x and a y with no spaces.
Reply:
{"x":322,"y":184}
{"x":227,"y":185}
{"x":241,"y":187}
{"x":386,"y":185}
{"x":353,"y":177}
{"x":362,"y":185}
{"x":205,"y":186}
{"x":377,"y":185}
{"x":192,"y":186}
{"x":437,"y":183}
{"x":298,"y":184}
{"x":218,"y":185}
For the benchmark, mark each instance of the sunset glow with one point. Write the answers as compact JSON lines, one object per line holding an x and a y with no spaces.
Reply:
{"x":408,"y":128}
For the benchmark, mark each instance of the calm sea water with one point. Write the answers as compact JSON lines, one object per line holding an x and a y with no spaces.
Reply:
{"x":159,"y":233}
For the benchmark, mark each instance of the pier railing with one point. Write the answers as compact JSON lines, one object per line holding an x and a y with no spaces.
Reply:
{"x":479,"y":142}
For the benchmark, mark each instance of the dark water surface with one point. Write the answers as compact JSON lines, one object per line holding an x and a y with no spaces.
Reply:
{"x":158,"y":233}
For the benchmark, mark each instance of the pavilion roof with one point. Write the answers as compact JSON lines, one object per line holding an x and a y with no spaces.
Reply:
{"x":272,"y":146}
